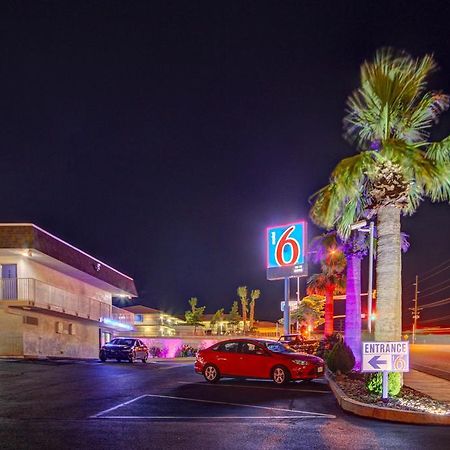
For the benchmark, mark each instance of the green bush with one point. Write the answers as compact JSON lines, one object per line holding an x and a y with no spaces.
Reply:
{"x":327,"y":344}
{"x":340,"y":358}
{"x":374,"y":383}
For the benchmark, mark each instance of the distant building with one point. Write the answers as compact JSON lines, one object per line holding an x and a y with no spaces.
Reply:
{"x":150,"y":322}
{"x":56,"y":300}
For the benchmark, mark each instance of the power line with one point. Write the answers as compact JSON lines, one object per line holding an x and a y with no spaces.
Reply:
{"x":436,"y":267}
{"x":434,"y":286}
{"x":439,"y":290}
{"x":434,"y":274}
{"x":444,"y":301}
{"x":436,"y":320}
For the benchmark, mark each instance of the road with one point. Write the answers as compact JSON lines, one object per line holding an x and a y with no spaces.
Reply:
{"x":431,"y":358}
{"x":78,"y":405}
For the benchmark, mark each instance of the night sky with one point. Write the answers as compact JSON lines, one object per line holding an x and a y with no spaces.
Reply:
{"x":163,"y":137}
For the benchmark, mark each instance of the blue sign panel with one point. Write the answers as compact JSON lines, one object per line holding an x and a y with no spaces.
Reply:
{"x":286,"y":251}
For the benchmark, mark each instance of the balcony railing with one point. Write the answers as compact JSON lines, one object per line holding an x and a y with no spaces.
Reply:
{"x":42,"y":295}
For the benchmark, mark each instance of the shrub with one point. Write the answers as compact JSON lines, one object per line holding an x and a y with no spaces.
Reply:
{"x":327,"y":343}
{"x":374,"y":383}
{"x":340,"y":358}
{"x":186,"y":351}
{"x":158,"y":352}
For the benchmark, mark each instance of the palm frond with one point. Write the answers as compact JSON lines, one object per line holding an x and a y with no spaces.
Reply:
{"x":391,"y":102}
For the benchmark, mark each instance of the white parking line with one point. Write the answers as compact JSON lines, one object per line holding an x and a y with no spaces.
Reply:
{"x":255,"y":387}
{"x":117,"y":406}
{"x":270,"y":408}
{"x":212,"y":418}
{"x":306,"y":414}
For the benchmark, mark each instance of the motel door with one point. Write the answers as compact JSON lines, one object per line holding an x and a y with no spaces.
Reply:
{"x":105,"y":337}
{"x":9,"y":281}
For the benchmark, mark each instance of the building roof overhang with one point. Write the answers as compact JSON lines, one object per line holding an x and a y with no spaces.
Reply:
{"x":29,"y":240}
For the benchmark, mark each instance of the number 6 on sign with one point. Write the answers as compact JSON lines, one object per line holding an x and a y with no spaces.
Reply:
{"x":286,"y":251}
{"x":282,"y":248}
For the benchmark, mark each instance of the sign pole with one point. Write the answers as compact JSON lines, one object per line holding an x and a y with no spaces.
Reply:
{"x":385,"y":385}
{"x":286,"y":315}
{"x":298,"y":303}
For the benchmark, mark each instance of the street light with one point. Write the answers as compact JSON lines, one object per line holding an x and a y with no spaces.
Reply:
{"x":359,"y":226}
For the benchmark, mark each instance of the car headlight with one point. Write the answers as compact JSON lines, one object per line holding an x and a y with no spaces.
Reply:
{"x":300,"y":362}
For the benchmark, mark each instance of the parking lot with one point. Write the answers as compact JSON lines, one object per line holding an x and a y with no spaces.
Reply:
{"x":76,"y":404}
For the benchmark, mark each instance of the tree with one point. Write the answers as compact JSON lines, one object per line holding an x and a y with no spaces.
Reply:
{"x":326,"y":250}
{"x":194,"y":316}
{"x":254,"y":295}
{"x":355,"y":248}
{"x":243,"y":293}
{"x":388,"y":119}
{"x":310,"y":311}
{"x":217,"y":318}
{"x":234,"y":318}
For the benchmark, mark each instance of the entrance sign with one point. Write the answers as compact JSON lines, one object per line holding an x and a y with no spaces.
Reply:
{"x":385,"y":356}
{"x":286,"y":250}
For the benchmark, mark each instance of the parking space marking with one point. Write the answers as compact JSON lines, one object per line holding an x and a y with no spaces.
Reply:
{"x":306,"y":414}
{"x":240,"y":404}
{"x":212,"y":418}
{"x":255,"y":387}
{"x":117,"y":406}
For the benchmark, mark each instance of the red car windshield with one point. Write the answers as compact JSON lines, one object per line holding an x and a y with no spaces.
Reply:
{"x":278,"y":347}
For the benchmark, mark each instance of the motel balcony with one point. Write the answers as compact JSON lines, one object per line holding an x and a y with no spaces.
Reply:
{"x":32,"y":294}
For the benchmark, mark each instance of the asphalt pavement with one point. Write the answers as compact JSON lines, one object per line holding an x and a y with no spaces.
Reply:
{"x":165,"y":405}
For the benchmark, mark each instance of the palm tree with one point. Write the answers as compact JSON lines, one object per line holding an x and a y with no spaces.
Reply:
{"x":242,"y":293}
{"x":331,"y":281}
{"x":254,"y":295}
{"x":388,"y":118}
{"x":216,"y":319}
{"x":355,"y":248}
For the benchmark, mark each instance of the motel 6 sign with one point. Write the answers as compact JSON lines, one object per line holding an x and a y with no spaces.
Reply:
{"x":286,"y":251}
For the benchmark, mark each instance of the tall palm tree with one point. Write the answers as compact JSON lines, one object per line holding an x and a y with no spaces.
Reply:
{"x":242,"y":292}
{"x":388,"y":118}
{"x":325,"y":249}
{"x":254,"y":295}
{"x":355,"y":248}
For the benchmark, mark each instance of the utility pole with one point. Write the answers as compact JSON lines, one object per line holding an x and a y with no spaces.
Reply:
{"x":415,"y":310}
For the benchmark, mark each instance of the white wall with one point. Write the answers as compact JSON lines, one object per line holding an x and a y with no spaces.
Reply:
{"x":27,"y":268}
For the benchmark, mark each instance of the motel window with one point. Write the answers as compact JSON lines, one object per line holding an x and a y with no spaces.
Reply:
{"x":139,"y":318}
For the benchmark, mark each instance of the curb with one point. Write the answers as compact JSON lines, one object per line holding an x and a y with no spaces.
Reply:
{"x":177,"y":359}
{"x":380,"y":413}
{"x":432,"y":371}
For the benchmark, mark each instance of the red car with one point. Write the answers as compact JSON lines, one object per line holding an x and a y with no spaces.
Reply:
{"x":257,"y":358}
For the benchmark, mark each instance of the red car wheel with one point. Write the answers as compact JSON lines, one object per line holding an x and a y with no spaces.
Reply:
{"x":211,"y":373}
{"x":280,"y":375}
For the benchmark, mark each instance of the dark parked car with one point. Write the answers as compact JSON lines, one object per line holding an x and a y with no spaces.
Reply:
{"x":128,"y":349}
{"x":300,"y":343}
{"x":257,"y":358}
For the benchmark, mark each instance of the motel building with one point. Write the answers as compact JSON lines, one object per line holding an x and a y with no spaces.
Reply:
{"x":55,"y":299}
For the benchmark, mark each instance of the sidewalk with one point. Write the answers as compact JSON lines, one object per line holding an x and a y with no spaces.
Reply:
{"x":437,"y":388}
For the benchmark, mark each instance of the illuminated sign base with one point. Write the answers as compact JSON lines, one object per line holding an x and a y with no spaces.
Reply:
{"x":279,"y":273}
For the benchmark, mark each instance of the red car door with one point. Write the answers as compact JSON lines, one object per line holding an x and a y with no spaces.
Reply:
{"x":226,"y":358}
{"x":254,"y":361}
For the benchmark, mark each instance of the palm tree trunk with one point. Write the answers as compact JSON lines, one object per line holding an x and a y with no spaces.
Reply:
{"x":329,"y":311}
{"x":244,"y":315}
{"x":353,"y":308}
{"x":252,"y":314}
{"x":388,"y":325}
